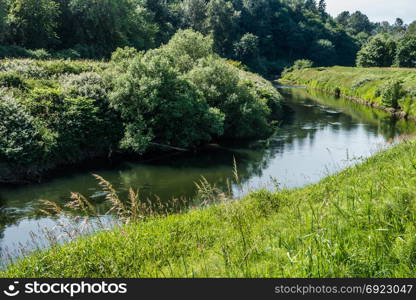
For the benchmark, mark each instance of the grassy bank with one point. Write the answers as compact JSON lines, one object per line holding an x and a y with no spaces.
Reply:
{"x":359,"y":223}
{"x":391,"y":88}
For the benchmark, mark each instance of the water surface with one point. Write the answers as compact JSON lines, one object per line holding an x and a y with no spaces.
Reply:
{"x":320,"y":136}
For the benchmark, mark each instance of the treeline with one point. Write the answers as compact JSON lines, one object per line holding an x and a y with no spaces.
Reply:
{"x":58,"y":112}
{"x":266,"y":35}
{"x":387,"y":50}
{"x":382,"y":44}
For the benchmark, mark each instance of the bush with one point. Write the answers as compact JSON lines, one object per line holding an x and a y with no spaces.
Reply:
{"x":299,"y":64}
{"x":68,"y":54}
{"x":323,"y":53}
{"x":406,"y":52}
{"x":11,"y":80}
{"x":158,"y":105}
{"x":21,"y":141}
{"x":39,"y":54}
{"x":391,"y":93}
{"x":246,"y":113}
{"x":185,"y":49}
{"x":13,"y":52}
{"x":183,"y":94}
{"x":379,"y":52}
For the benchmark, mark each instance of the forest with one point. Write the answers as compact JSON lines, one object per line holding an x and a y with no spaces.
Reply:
{"x":266,"y":35}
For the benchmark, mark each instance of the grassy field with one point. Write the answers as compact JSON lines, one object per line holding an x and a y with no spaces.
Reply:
{"x":359,"y":223}
{"x":367,"y":84}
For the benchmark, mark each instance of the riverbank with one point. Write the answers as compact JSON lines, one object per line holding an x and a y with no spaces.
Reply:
{"x":368,"y":86}
{"x":358,"y":223}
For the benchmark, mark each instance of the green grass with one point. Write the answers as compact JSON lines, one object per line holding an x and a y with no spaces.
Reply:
{"x":362,"y":83}
{"x":358,"y":223}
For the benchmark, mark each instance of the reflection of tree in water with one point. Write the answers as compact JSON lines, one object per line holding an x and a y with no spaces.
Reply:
{"x":8,"y":217}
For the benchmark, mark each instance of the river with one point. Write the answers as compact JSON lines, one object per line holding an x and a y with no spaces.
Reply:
{"x":320,"y":136}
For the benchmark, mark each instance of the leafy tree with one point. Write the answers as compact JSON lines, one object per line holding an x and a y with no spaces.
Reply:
{"x":378,"y":52}
{"x":185,"y":49}
{"x":323,"y":53}
{"x":33,"y":23}
{"x":411,"y":29}
{"x":391,"y":93}
{"x":247,"y":50}
{"x":399,"y":26}
{"x":322,"y":8}
{"x":359,"y":22}
{"x":406,"y":52}
{"x":21,"y":141}
{"x":163,"y":16}
{"x":3,"y":16}
{"x":343,"y":19}
{"x":222,"y":23}
{"x":194,"y":14}
{"x":108,"y":24}
{"x":246,"y":116}
{"x":159,"y":106}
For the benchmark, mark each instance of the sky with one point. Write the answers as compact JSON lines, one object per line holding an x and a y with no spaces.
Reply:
{"x":376,"y":10}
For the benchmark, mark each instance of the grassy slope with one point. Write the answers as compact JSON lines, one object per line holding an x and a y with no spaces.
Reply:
{"x":360,"y":222}
{"x":357,"y":82}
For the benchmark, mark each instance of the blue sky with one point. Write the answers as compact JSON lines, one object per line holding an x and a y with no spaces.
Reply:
{"x":376,"y":10}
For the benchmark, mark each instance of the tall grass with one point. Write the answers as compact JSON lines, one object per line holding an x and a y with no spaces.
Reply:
{"x":358,"y":223}
{"x":367,"y":84}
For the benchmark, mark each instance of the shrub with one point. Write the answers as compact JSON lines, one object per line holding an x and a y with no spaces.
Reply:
{"x":91,"y":86}
{"x":378,"y":52}
{"x":323,"y":53}
{"x":11,"y":80}
{"x":185,"y":49}
{"x":299,"y":64}
{"x":39,"y":54}
{"x":68,"y":54}
{"x":391,"y":92}
{"x":246,"y":114}
{"x":406,"y":52}
{"x":21,"y":140}
{"x":13,"y":51}
{"x":159,"y":105}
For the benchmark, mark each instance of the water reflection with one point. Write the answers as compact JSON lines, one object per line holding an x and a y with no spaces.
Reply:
{"x":319,"y":136}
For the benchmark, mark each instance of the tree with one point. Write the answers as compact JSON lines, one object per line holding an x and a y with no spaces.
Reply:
{"x":323,"y":53}
{"x":399,"y":26}
{"x":380,"y":51}
{"x":343,"y":18}
{"x":246,"y":114}
{"x":194,"y":13}
{"x":33,"y":23}
{"x":108,"y":24}
{"x":322,"y":8}
{"x":411,"y":29}
{"x":158,"y":104}
{"x":310,"y":5}
{"x":3,"y":15}
{"x":406,"y":52}
{"x":222,"y":22}
{"x":247,"y":49}
{"x":359,"y":22}
{"x":20,"y":138}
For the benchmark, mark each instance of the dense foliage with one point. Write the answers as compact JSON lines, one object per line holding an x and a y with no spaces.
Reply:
{"x":385,"y":50}
{"x":182,"y":94}
{"x":267,"y":35}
